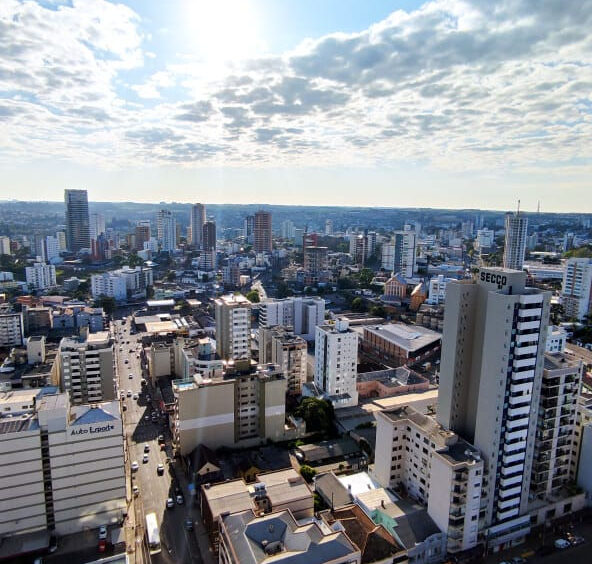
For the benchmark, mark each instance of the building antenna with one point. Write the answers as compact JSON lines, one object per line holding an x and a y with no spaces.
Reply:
{"x":518,"y":212}
{"x":539,"y":207}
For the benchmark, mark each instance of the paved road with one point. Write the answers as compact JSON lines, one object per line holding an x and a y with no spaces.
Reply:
{"x":178,"y":544}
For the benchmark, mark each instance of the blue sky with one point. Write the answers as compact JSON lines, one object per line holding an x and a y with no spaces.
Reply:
{"x":451,"y":103}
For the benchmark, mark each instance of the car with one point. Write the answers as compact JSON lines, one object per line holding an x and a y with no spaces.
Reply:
{"x":143,"y":381}
{"x":135,"y":396}
{"x":102,"y":546}
{"x":161,"y":438}
{"x":189,"y":524}
{"x":170,"y":503}
{"x":136,"y":491}
{"x":126,"y":361}
{"x":146,"y":417}
{"x":129,"y":393}
{"x":124,"y":407}
{"x":148,"y":398}
{"x":160,"y":469}
{"x":145,"y":459}
{"x":180,"y":499}
{"x":561,"y":544}
{"x":130,"y":375}
{"x":146,"y":447}
{"x":137,"y":356}
{"x":131,"y":351}
{"x":577,"y":540}
{"x":135,"y":466}
{"x":102,"y":532}
{"x":122,"y":395}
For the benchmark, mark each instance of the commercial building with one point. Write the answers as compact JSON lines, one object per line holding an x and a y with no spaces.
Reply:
{"x":62,"y":467}
{"x":301,"y":314}
{"x":233,"y":327}
{"x":515,"y":240}
{"x":246,"y":538}
{"x":262,"y":239}
{"x":41,"y":276}
{"x":240,"y":407}
{"x":490,"y":384}
{"x":77,"y":220}
{"x":336,"y":363}
{"x":196,"y":222}
{"x":86,"y":368}
{"x":166,"y":228}
{"x":399,"y":255}
{"x":12,"y":330}
{"x":280,"y":346}
{"x":397,"y":344}
{"x":576,"y":292}
{"x":435,"y":467}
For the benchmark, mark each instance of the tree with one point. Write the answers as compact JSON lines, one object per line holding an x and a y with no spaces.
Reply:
{"x":307,"y":473}
{"x":366,"y":276}
{"x":283,"y":290}
{"x":318,"y":415}
{"x":345,"y":284}
{"x":378,"y":310}
{"x":107,"y":303}
{"x":253,"y":296}
{"x":134,"y":260}
{"x":171,"y":275}
{"x":358,"y":304}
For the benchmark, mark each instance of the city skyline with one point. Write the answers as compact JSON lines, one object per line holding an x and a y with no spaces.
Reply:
{"x":400,"y":104}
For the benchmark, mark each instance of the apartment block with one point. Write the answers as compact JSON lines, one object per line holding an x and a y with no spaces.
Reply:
{"x":336,"y":363}
{"x":108,"y":285}
{"x":435,"y":467}
{"x":41,"y":276}
{"x":515,"y":240}
{"x":86,"y":368}
{"x":12,"y":331}
{"x":240,"y":407}
{"x":62,"y":466}
{"x":491,"y":373}
{"x":233,"y":327}
{"x":166,"y":228}
{"x":399,"y":255}
{"x":576,"y":292}
{"x":262,"y":236}
{"x":280,"y":346}
{"x":301,"y":314}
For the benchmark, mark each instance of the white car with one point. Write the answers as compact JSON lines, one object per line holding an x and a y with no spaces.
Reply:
{"x":180,"y":500}
{"x":136,"y":491}
{"x":135,"y":396}
{"x":145,"y":459}
{"x":102,"y":532}
{"x":561,"y":544}
{"x":129,"y":393}
{"x":135,"y":466}
{"x":130,"y":375}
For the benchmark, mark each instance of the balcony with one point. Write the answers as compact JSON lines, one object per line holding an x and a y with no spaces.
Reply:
{"x":512,"y":481}
{"x":513,"y":458}
{"x":534,"y":312}
{"x":528,"y":325}
{"x":512,"y":447}
{"x":510,"y":492}
{"x":518,"y":388}
{"x":503,"y":515}
{"x":524,"y":362}
{"x":517,"y":411}
{"x":508,"y":503}
{"x":516,"y":424}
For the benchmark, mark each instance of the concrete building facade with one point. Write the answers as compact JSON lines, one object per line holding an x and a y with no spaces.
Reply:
{"x":233,"y":327}
{"x":12,"y":329}
{"x":301,"y":314}
{"x":77,"y":220}
{"x":515,"y":240}
{"x":576,"y":291}
{"x":41,"y":276}
{"x":197,"y":220}
{"x":262,"y":234}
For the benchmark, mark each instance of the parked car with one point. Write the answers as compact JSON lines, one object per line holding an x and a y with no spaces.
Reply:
{"x":130,"y":375}
{"x":561,"y":544}
{"x":146,"y":447}
{"x":136,"y":491}
{"x":189,"y":524}
{"x":160,"y":469}
{"x":145,"y":459}
{"x":180,"y":500}
{"x":135,"y":466}
{"x":102,"y":532}
{"x":578,"y":540}
{"x":170,"y":503}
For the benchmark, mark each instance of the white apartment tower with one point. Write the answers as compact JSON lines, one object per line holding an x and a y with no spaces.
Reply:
{"x":336,"y":363}
{"x":197,"y":220}
{"x":12,"y":330}
{"x":576,"y":291}
{"x":301,"y":314}
{"x":41,"y":276}
{"x":399,"y":255}
{"x":166,"y":228}
{"x":97,"y":225}
{"x":233,"y":327}
{"x":493,"y":350}
{"x":515,"y":240}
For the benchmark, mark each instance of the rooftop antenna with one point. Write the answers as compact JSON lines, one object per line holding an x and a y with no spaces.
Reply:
{"x":518,"y":212}
{"x":539,"y":207}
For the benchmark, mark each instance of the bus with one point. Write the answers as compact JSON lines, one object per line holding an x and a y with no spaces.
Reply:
{"x":152,"y":533}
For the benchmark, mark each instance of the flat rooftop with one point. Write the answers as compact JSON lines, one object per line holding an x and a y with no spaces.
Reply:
{"x":407,"y":337}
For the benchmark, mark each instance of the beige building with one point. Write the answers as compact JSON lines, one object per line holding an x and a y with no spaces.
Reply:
{"x":61,"y":467}
{"x":434,"y":467}
{"x":238,"y":408}
{"x":280,"y":346}
{"x":11,"y":329}
{"x":86,"y":367}
{"x":233,"y":327}
{"x":161,"y":360}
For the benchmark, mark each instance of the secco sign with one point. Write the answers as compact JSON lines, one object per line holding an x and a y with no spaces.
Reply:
{"x":494,"y":278}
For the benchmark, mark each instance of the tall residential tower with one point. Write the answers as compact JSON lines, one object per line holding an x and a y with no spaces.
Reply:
{"x":77,"y":220}
{"x":197,"y":220}
{"x":515,"y":241}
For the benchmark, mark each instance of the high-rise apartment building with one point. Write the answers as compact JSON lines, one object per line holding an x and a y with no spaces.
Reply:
{"x":166,"y":228}
{"x":41,"y":276}
{"x":233,"y":327}
{"x":399,"y":255}
{"x":490,"y":383}
{"x":142,"y":233}
{"x":301,"y":314}
{"x":262,"y":240}
{"x":61,"y":237}
{"x":97,"y":225}
{"x":315,"y":263}
{"x":576,"y":292}
{"x":77,"y":220}
{"x":209,"y":236}
{"x":515,"y":240}
{"x":249,"y":228}
{"x":5,"y":245}
{"x":287,"y":229}
{"x":12,"y":329}
{"x":278,"y":345}
{"x":52,"y":248}
{"x":336,"y":363}
{"x":197,"y":220}
{"x":86,"y":368}
{"x":328,"y":227}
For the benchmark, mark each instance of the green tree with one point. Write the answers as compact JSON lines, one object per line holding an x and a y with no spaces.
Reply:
{"x":107,"y":303}
{"x":366,"y":276}
{"x":283,"y":290}
{"x":358,"y":304}
{"x":345,"y":284}
{"x":307,"y":473}
{"x":378,"y":310}
{"x":134,"y":260}
{"x":318,"y":415}
{"x":253,"y":296}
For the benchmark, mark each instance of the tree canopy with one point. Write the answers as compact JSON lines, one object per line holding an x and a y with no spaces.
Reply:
{"x":318,"y":415}
{"x":253,"y":296}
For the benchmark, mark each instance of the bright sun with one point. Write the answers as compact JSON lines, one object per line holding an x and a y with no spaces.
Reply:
{"x":223,"y":31}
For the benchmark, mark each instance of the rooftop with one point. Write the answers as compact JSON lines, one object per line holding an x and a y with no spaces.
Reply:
{"x":408,"y":337}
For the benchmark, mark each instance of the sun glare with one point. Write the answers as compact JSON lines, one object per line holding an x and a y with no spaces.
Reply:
{"x":223,"y":31}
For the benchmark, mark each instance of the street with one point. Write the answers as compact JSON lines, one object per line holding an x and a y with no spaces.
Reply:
{"x":178,"y":543}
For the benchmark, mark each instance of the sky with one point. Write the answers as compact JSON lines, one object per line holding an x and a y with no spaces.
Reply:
{"x":449,"y":103}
